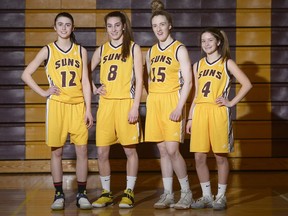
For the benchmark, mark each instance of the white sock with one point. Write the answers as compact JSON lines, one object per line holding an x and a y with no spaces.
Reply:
{"x":206,"y":189}
{"x":168,"y":184}
{"x":184,"y":183}
{"x":131,"y":180}
{"x":105,"y":181}
{"x":222,"y":189}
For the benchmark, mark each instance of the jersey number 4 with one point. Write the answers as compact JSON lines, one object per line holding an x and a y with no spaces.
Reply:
{"x":206,"y":89}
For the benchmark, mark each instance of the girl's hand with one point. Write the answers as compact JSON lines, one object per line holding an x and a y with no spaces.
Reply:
{"x":133,"y":115}
{"x":188,"y":126}
{"x":100,"y":91}
{"x":221,"y":101}
{"x":175,"y":115}
{"x":53,"y":90}
{"x":88,"y":119}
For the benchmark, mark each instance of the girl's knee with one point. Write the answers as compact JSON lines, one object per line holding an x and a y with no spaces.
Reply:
{"x":130,"y":152}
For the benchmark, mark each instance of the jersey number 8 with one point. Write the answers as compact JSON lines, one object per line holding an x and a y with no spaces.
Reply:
{"x":112,"y":72}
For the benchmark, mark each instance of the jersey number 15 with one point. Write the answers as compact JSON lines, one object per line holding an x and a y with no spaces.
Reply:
{"x":160,"y":75}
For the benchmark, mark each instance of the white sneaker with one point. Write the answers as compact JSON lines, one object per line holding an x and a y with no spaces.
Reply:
{"x":82,"y":201}
{"x":203,"y":202}
{"x":185,"y":201}
{"x":166,"y":201}
{"x":220,"y":202}
{"x":59,"y":202}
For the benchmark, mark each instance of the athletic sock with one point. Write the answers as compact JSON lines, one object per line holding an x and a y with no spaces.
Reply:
{"x":105,"y":181}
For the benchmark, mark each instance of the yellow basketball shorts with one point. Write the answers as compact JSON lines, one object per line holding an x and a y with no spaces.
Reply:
{"x":112,"y":124}
{"x":211,"y":126}
{"x":158,"y":126}
{"x":63,"y":119}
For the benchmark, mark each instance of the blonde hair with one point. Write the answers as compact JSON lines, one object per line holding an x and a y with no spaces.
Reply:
{"x":157,"y":5}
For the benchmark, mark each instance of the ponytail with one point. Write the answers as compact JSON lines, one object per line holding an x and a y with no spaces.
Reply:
{"x":127,"y":31}
{"x":225,"y":50}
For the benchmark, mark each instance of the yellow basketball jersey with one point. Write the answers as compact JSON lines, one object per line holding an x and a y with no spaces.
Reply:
{"x":165,"y":75}
{"x":214,"y":81}
{"x":116,"y":73}
{"x":64,"y":70}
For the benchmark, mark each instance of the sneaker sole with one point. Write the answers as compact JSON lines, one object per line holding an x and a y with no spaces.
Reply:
{"x":57,"y":208}
{"x":85,"y":207}
{"x":125,"y":206}
{"x":201,"y":207}
{"x":164,"y":207}
{"x":220,"y":209}
{"x":102,"y":206}
{"x":181,"y":207}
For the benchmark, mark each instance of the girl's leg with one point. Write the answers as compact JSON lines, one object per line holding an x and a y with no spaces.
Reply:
{"x":167,"y":198}
{"x":132,"y":165}
{"x":57,"y":176}
{"x":106,"y":197}
{"x":56,"y":168}
{"x":223,"y":172}
{"x":180,"y":168}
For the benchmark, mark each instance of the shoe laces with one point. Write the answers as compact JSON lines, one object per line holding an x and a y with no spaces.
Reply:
{"x":184,"y":196}
{"x":106,"y":193}
{"x":58,"y":195}
{"x":220,"y":198}
{"x":205,"y":199}
{"x":163,"y":197}
{"x":82,"y":195}
{"x":128,"y":193}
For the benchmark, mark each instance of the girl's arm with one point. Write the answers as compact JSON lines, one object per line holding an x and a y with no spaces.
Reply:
{"x":242,"y":79}
{"x":96,"y":59}
{"x":185,"y":67}
{"x":86,"y":89}
{"x":138,"y":68}
{"x":146,"y":72}
{"x":190,"y":115}
{"x":26,"y":76}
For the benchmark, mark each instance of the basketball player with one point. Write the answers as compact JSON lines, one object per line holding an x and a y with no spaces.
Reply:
{"x":170,"y":76}
{"x":209,"y":120}
{"x":68,"y":103}
{"x":121,"y":74}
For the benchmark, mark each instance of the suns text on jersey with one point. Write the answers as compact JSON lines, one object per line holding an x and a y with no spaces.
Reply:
{"x":161,"y":58}
{"x":113,"y":56}
{"x":210,"y":73}
{"x":67,"y":62}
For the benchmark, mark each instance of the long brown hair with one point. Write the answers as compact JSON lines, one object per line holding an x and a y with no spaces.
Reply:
{"x":127,"y":33}
{"x":221,"y":37}
{"x":69,"y":16}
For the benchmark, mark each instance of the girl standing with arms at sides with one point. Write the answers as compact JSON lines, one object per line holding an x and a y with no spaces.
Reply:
{"x":68,"y":106}
{"x":121,"y":76}
{"x":170,"y":76}
{"x":209,"y":120}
